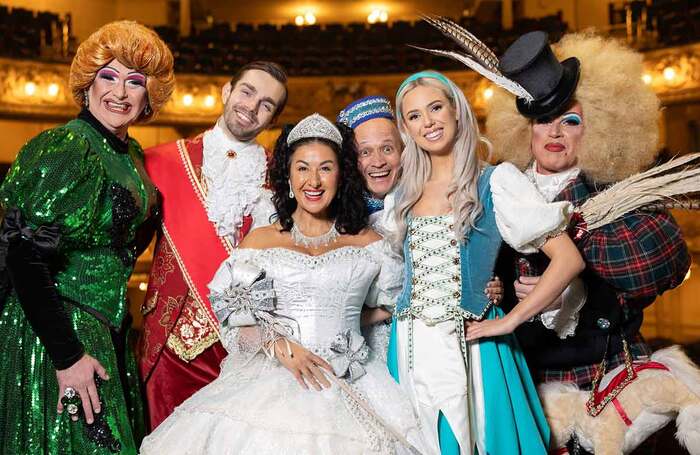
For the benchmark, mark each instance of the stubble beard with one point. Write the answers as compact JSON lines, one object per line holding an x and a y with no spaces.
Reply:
{"x":240,"y":133}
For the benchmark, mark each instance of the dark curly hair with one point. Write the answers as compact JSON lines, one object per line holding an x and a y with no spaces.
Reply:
{"x":348,"y":207}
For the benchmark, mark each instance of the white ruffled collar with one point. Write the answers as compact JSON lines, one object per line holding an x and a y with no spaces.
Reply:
{"x":550,"y":185}
{"x":234,"y":184}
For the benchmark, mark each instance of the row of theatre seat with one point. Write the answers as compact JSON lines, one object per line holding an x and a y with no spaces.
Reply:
{"x":333,"y":48}
{"x":25,"y":32}
{"x":668,"y":22}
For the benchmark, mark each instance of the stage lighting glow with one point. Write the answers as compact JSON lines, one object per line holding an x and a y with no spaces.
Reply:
{"x":30,"y":88}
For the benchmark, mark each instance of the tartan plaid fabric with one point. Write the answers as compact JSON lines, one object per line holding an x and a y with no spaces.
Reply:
{"x":583,"y":375}
{"x":641,"y":255}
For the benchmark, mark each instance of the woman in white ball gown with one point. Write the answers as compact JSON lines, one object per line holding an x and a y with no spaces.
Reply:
{"x":299,"y":377}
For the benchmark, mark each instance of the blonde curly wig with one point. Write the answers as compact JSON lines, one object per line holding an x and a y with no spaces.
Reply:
{"x":620,"y":112}
{"x":136,"y":47}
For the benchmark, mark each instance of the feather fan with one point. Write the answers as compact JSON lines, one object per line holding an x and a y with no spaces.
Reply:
{"x":664,"y":186}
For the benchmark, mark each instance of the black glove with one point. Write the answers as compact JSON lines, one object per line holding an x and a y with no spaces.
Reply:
{"x":27,"y":266}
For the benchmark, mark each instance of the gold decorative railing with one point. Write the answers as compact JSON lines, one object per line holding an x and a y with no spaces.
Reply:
{"x":40,"y":90}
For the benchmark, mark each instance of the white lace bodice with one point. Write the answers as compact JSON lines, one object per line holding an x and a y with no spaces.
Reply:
{"x":324,"y":294}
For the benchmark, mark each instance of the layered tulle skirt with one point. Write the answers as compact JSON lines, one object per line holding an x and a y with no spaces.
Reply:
{"x":260,"y":409}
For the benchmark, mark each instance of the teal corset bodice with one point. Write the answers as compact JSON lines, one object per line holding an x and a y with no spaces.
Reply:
{"x":477,"y":257}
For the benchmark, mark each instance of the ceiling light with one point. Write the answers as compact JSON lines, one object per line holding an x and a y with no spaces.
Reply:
{"x":669,"y":73}
{"x":30,"y":88}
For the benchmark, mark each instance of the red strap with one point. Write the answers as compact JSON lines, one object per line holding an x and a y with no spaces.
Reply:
{"x":621,"y":411}
{"x":622,"y":375}
{"x":560,"y":451}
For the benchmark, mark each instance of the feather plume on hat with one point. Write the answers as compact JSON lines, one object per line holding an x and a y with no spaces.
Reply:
{"x":478,"y":56}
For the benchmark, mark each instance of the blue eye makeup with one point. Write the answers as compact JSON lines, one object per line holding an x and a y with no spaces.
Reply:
{"x":572,"y":119}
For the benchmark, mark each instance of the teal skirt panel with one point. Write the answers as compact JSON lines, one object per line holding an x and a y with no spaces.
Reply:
{"x":515,"y":422}
{"x":514,"y":419}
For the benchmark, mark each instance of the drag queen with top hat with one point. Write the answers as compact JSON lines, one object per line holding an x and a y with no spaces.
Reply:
{"x":595,"y":123}
{"x":299,"y":377}
{"x":467,"y":380}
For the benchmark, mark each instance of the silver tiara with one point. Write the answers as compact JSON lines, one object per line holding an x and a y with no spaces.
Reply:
{"x":315,"y":125}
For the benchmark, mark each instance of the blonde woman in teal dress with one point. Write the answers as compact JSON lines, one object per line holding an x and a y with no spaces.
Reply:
{"x":451,"y":350}
{"x":73,"y":202}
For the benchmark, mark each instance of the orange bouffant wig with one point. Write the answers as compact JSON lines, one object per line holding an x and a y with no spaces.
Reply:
{"x":620,"y":112}
{"x":134,"y":46}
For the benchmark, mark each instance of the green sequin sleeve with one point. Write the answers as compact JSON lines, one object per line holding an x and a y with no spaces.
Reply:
{"x":56,"y":180}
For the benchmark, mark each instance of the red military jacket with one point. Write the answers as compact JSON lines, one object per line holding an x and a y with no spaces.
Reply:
{"x":176,"y":310}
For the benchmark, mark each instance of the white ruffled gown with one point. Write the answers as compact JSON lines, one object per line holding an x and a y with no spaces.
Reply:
{"x":256,"y":406}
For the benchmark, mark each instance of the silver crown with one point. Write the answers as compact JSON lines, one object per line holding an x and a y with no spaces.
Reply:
{"x":315,"y":125}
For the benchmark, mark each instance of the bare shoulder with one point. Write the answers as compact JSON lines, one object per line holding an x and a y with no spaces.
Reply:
{"x":363,"y":238}
{"x":262,"y":237}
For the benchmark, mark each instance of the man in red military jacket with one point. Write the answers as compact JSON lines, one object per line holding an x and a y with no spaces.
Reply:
{"x":213,"y":191}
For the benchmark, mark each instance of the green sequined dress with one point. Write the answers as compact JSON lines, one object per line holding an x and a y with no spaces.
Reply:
{"x":72,"y":177}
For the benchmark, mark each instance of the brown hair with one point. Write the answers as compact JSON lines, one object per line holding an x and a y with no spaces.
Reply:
{"x":136,"y":47}
{"x":620,"y":112}
{"x":273,"y":69}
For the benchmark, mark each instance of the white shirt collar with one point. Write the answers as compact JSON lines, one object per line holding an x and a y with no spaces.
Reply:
{"x":550,"y":185}
{"x":234,"y":183}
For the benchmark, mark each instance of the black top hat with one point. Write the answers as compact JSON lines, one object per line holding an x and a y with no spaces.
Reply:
{"x":530,"y":62}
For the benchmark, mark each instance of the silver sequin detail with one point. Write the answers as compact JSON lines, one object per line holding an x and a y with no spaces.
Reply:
{"x":315,"y":125}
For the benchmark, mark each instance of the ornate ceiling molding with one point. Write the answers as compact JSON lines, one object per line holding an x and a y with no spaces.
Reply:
{"x":674,"y":73}
{"x":40,"y":90}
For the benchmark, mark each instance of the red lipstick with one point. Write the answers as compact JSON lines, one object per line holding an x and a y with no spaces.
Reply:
{"x":554,"y":147}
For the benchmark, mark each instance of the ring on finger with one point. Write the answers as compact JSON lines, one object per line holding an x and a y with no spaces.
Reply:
{"x":69,"y":393}
{"x":71,"y":401}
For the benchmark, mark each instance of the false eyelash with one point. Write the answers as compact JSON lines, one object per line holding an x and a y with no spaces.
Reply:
{"x":572,"y":118}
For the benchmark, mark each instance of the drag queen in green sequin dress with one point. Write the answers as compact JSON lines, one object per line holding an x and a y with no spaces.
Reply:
{"x":76,"y":202}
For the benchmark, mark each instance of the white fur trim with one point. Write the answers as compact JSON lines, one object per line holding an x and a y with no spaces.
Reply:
{"x":688,"y":423}
{"x":680,"y":365}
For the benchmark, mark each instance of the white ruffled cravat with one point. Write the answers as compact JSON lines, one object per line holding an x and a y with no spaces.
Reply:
{"x":550,"y":185}
{"x":234,"y":184}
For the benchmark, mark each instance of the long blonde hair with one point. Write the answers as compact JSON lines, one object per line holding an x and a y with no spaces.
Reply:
{"x":416,"y":164}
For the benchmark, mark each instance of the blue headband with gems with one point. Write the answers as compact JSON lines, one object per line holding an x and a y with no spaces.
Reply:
{"x":424,"y":74}
{"x":367,"y":108}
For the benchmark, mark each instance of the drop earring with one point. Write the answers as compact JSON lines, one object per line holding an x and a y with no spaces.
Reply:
{"x":86,"y":100}
{"x":291,"y":193}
